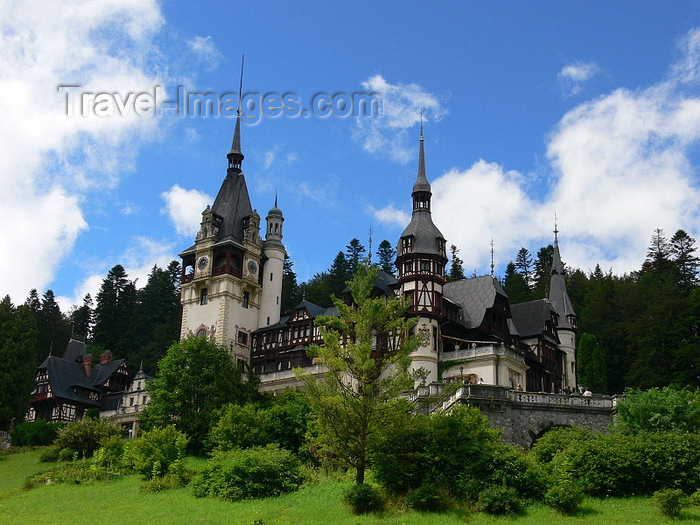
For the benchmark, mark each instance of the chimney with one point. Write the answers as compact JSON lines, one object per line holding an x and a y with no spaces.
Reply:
{"x":106,"y":357}
{"x":87,"y":363}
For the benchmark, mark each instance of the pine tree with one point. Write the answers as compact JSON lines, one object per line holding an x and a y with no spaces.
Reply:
{"x":514,"y":285}
{"x":355,"y":254}
{"x":386,"y":255}
{"x":116,"y":302}
{"x":456,"y":265}
{"x":682,"y":248}
{"x":82,"y":319}
{"x":18,"y":360}
{"x":360,"y":393}
{"x":592,"y":372}
{"x":54,"y":328}
{"x":291,"y":292}
{"x":542,"y":271}
{"x":523,"y":264}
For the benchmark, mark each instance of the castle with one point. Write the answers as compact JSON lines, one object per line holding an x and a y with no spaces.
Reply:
{"x":232,"y":284}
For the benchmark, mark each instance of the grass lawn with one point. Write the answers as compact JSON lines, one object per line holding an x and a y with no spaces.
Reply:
{"x":122,"y":502}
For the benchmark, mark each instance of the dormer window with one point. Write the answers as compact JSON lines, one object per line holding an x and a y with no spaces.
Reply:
{"x":406,"y":245}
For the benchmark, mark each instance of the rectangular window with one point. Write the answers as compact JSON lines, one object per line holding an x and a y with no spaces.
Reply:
{"x":246,"y":299}
{"x":270,"y":275}
{"x":242,"y":338}
{"x":203,"y":296}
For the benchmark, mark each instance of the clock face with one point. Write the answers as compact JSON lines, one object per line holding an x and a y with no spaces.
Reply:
{"x":202,"y":263}
{"x":252,"y":267}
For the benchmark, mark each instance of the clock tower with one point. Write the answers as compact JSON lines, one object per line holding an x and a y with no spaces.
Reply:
{"x":222,"y":283}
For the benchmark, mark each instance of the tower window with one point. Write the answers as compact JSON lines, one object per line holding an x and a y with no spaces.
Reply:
{"x":270,"y":275}
{"x":203,"y":296}
{"x":246,"y":299}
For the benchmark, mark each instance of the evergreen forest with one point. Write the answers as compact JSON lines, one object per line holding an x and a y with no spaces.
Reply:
{"x":638,"y":330}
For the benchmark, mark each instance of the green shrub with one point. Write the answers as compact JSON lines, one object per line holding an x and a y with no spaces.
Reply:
{"x":659,"y":409}
{"x":111,"y":454}
{"x":158,"y":452}
{"x":556,"y":440}
{"x":670,"y":502}
{"x":49,"y":455}
{"x":161,"y":483}
{"x":76,"y":473}
{"x":499,"y":500}
{"x":86,"y":435}
{"x":458,"y":450}
{"x":428,"y":498}
{"x":256,"y":472}
{"x":284,"y":423}
{"x":35,"y":433}
{"x":564,"y":498}
{"x":623,"y":465}
{"x":694,"y":499}
{"x":363,"y":498}
{"x":66,"y":454}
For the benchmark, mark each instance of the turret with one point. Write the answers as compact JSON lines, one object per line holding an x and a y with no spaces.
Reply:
{"x":274,"y":255}
{"x":567,"y":323}
{"x":421,"y":270}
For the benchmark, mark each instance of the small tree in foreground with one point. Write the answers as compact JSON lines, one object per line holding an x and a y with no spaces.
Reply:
{"x":196,"y":378}
{"x":367,"y":353}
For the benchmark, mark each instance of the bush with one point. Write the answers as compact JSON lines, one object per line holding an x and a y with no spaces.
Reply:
{"x":158,"y":452}
{"x":111,"y":454}
{"x":86,"y":435}
{"x":49,"y":455}
{"x":428,"y":498}
{"x":556,"y":440}
{"x":161,"y":483}
{"x":66,"y":454}
{"x":256,"y":472}
{"x":499,"y":500}
{"x":35,"y":433}
{"x":564,"y":497}
{"x":76,"y":473}
{"x":624,"y":465}
{"x":694,"y":499}
{"x":660,"y":409}
{"x":670,"y":502}
{"x":363,"y":499}
{"x":458,"y":450}
{"x":284,"y":423}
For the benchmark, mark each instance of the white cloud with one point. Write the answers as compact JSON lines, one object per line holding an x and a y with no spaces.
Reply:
{"x":573,"y":76}
{"x":391,"y":216}
{"x":184,"y":208}
{"x":401,"y":110}
{"x":622,"y":165}
{"x":48,"y":161}
{"x":205,"y":49}
{"x":138,"y":261}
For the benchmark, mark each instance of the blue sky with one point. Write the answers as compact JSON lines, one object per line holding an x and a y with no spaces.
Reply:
{"x":589,"y":109}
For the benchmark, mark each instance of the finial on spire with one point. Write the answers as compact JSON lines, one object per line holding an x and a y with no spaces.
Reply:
{"x":369,"y":257}
{"x":492,"y":265}
{"x":556,"y":229}
{"x":235,"y":156}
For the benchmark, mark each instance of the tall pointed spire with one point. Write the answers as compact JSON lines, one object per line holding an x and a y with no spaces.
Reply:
{"x":421,"y":189}
{"x":235,"y":156}
{"x":558,"y":295}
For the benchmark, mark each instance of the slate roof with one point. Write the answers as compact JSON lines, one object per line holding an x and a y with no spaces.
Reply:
{"x":530,"y":317}
{"x":475,"y":296}
{"x":558,"y":295}
{"x":68,"y":371}
{"x":233,"y":205}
